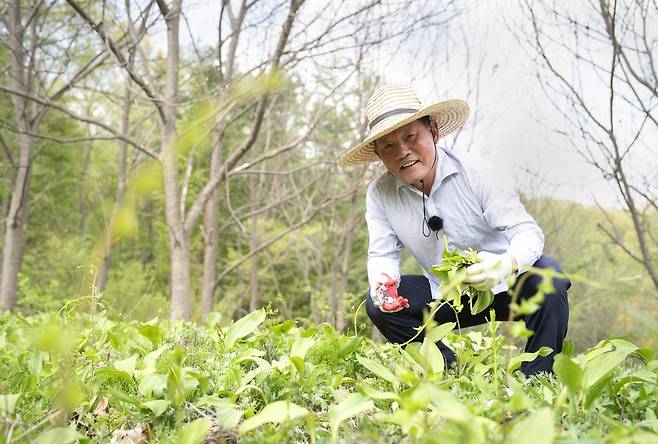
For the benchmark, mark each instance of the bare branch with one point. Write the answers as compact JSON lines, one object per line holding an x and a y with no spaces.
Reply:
{"x":282,"y":234}
{"x":123,"y":63}
{"x":81,"y":119}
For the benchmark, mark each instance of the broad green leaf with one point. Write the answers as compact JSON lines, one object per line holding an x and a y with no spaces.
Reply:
{"x":602,"y":364}
{"x":194,"y":432}
{"x":379,"y":370}
{"x":528,"y":306}
{"x":415,"y":357}
{"x":283,"y":327}
{"x":180,"y":384}
{"x":201,"y":378}
{"x":214,"y":318}
{"x":298,"y":352}
{"x":214,"y":401}
{"x":158,"y":406}
{"x":153,"y":385}
{"x":8,"y":404}
{"x":401,"y":417}
{"x":150,"y":359}
{"x":484,"y":299}
{"x":433,"y":355}
{"x":301,"y":346}
{"x":106,"y":372}
{"x":568,"y":372}
{"x":276,"y":412}
{"x":354,"y":404}
{"x":350,"y":347}
{"x":417,"y":399}
{"x":59,"y":435}
{"x":127,"y":365}
{"x":227,"y":413}
{"x":638,"y":376}
{"x":518,"y":330}
{"x":175,"y":388}
{"x":568,"y":347}
{"x":152,"y":332}
{"x":263,"y":367}
{"x":298,"y":363}
{"x":123,"y":396}
{"x":516,"y":361}
{"x":228,"y":417}
{"x":538,"y":428}
{"x":35,"y":364}
{"x":243,"y":327}
{"x":443,"y":402}
{"x":437,"y":333}
{"x":518,"y":399}
{"x":594,"y":391}
{"x":373,"y":393}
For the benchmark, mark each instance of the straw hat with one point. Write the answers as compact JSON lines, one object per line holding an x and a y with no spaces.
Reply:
{"x":393,"y":106}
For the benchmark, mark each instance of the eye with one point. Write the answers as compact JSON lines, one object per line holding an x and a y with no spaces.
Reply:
{"x":411,"y":136}
{"x":388,"y":148}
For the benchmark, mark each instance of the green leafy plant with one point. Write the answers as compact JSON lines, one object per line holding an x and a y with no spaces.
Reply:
{"x":82,"y":378}
{"x":451,"y":272}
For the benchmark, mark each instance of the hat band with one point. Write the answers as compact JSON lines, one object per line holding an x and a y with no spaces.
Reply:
{"x":391,"y":113}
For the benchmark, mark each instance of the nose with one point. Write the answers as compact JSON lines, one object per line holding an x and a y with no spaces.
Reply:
{"x":403,"y":150}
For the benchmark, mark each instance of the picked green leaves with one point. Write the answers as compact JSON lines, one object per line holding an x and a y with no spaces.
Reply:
{"x":451,"y":272}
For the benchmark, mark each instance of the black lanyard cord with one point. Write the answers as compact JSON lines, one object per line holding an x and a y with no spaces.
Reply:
{"x":434,"y":223}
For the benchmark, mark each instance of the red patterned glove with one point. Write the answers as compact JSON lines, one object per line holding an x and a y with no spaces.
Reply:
{"x":387,"y":295}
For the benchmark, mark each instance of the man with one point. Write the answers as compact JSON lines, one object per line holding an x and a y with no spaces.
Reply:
{"x":429,"y":193}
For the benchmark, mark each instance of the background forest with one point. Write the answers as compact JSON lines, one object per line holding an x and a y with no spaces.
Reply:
{"x":169,"y":169}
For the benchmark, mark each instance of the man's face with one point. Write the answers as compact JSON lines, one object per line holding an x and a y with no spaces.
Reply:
{"x":408,"y":152}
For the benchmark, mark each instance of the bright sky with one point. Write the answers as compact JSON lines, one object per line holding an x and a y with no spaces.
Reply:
{"x":513,"y":123}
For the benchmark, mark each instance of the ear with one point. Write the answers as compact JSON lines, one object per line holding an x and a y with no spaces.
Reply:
{"x":374,"y":148}
{"x":434,"y":128}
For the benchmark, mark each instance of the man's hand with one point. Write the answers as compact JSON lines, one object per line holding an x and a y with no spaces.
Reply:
{"x":385,"y":295}
{"x":494,"y":269}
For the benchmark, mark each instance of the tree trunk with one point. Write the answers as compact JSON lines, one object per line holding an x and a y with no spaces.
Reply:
{"x":253,"y":271}
{"x":83,"y":207}
{"x":179,"y":245}
{"x":255,"y":185}
{"x":121,"y":190}
{"x":12,"y":253}
{"x":345,"y":264}
{"x":211,"y":234}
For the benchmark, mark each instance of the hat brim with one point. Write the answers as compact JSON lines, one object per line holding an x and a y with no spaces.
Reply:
{"x":449,"y":116}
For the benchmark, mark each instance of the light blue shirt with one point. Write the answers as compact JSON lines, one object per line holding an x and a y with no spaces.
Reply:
{"x":478,"y":210}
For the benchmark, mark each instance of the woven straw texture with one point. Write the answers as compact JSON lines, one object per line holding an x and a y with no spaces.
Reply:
{"x":449,"y":115}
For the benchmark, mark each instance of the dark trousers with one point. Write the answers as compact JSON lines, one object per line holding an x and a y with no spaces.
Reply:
{"x":549,"y":323}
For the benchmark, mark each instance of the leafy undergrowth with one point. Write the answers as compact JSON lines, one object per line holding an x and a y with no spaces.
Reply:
{"x":89,"y":379}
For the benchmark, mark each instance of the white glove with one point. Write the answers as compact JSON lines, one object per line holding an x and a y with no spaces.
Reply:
{"x":494,"y":269}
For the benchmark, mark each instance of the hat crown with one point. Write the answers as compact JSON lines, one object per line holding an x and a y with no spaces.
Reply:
{"x":390,"y":98}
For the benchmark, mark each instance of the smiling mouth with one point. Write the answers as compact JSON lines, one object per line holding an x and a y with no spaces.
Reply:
{"x":409,"y":165}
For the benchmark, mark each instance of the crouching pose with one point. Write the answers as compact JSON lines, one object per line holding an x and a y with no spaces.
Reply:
{"x":429,"y":193}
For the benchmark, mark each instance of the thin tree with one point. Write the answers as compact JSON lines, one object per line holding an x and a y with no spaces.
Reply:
{"x":36,"y":81}
{"x":596,"y":63}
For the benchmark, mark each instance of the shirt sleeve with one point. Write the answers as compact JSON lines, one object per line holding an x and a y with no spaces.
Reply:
{"x":384,"y":245}
{"x":503,"y":211}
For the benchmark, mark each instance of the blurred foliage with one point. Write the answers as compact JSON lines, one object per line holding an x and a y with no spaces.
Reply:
{"x":264,"y":379}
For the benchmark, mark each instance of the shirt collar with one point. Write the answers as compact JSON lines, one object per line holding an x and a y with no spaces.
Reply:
{"x":445,"y":167}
